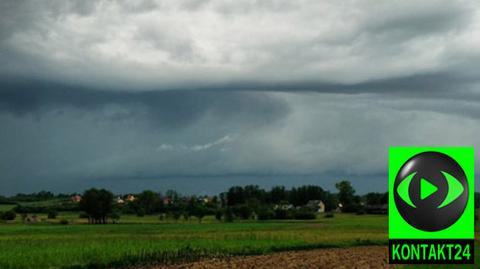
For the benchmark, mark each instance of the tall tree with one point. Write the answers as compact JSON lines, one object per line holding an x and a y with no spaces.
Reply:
{"x":278,"y":194}
{"x":301,"y":195}
{"x":97,"y":204}
{"x":173,"y":195}
{"x":330,"y":201}
{"x":235,"y":196}
{"x":149,"y":201}
{"x":346,"y":196}
{"x":373,"y":198}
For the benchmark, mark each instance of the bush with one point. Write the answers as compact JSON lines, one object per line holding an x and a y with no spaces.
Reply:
{"x":129,"y":208}
{"x":30,"y":209}
{"x":83,"y":216}
{"x":228,"y":215}
{"x":218,"y":214}
{"x":281,"y":214}
{"x":243,"y":212}
{"x":114,"y":217}
{"x":141,"y":212}
{"x":329,"y":215}
{"x":305,"y":215}
{"x":360,"y":211}
{"x":67,"y":206}
{"x":9,"y":215}
{"x":200,"y":213}
{"x":64,"y":206}
{"x":186,"y":215}
{"x":176,"y":215}
{"x":64,"y":222}
{"x":265,"y":213}
{"x":351,"y":208}
{"x":52,"y":214}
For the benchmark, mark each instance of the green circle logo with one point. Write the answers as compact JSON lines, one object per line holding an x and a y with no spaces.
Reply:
{"x":431,"y":191}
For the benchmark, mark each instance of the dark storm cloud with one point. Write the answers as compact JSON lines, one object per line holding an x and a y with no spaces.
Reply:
{"x":96,"y":91}
{"x":435,"y":84}
{"x":417,"y":19}
{"x":172,"y":109}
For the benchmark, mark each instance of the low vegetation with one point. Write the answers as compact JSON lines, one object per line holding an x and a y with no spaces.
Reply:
{"x":56,"y":231}
{"x":100,"y":206}
{"x":147,"y":240}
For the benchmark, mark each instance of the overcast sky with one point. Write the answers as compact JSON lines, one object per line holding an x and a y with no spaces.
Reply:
{"x":201,"y":95}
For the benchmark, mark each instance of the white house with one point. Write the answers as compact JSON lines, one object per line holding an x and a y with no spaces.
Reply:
{"x":316,"y":205}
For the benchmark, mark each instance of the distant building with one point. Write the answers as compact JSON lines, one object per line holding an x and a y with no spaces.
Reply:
{"x":31,"y":219}
{"x":131,"y":198}
{"x":206,"y":199}
{"x":283,"y":206}
{"x":120,"y":200}
{"x":316,"y":205}
{"x":167,"y":200}
{"x":76,"y":198}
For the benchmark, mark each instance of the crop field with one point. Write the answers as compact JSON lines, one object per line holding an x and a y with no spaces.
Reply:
{"x":148,"y":240}
{"x":6,"y":207}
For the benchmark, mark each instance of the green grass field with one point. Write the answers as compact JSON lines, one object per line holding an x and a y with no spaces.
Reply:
{"x":47,"y":203}
{"x":6,"y":207}
{"x":151,"y":241}
{"x":148,"y":240}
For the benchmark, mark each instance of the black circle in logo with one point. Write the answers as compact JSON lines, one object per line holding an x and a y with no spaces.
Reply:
{"x":427,"y":211}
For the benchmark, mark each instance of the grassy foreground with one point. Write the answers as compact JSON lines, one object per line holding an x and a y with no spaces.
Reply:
{"x":148,"y":240}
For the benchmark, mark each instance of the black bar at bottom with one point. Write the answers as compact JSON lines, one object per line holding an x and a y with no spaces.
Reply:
{"x":419,"y":251}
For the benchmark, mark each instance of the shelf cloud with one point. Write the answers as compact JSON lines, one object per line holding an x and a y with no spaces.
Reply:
{"x":97,"y":91}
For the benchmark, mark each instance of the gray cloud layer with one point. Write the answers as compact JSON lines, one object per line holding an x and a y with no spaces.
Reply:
{"x":98,"y":91}
{"x":165,"y":45}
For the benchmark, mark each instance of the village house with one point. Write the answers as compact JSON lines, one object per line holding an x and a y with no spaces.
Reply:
{"x":167,"y":200}
{"x":316,"y":205}
{"x":30,"y":219}
{"x":204,"y":199}
{"x":283,"y":206}
{"x":120,"y":200}
{"x":131,"y":198}
{"x":76,"y":198}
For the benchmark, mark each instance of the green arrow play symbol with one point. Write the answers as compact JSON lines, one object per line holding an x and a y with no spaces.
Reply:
{"x":403,"y":189}
{"x":455,"y":189}
{"x":426,"y":188}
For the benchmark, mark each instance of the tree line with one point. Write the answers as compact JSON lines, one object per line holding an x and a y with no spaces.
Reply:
{"x":238,"y":202}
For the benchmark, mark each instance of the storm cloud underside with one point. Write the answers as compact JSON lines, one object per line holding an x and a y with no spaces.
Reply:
{"x":200,"y":95}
